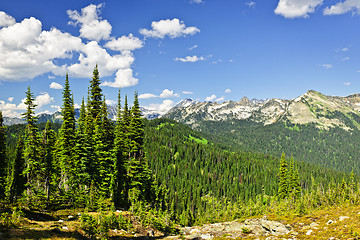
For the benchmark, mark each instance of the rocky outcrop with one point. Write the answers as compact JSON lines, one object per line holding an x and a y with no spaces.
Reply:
{"x":249,"y":228}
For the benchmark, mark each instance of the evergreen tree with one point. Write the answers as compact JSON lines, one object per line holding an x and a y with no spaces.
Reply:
{"x":48,"y":141}
{"x":119,"y":187}
{"x":17,"y":178}
{"x":95,"y":94}
{"x":34,"y":165}
{"x":290,"y":176}
{"x":65,"y":143}
{"x":138,"y":173}
{"x":283,"y":182}
{"x":3,"y":157}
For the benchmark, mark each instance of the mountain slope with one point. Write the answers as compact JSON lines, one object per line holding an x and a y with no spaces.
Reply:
{"x":311,"y":107}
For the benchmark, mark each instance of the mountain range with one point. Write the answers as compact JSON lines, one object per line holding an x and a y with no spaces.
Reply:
{"x":311,"y":107}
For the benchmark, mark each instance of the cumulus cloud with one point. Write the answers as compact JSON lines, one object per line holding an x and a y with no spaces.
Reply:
{"x":172,"y":28}
{"x":326,"y":65}
{"x":110,"y":102}
{"x":27,"y":51}
{"x":43,"y":99}
{"x":190,"y":59}
{"x":296,"y":8}
{"x":168,"y":94}
{"x":343,"y":7}
{"x":55,"y":85}
{"x":220,"y":99}
{"x":124,"y":78}
{"x":92,"y":27}
{"x":6,"y":20}
{"x":228,"y":90}
{"x":347,"y":83}
{"x":10,"y":99}
{"x":187,"y":92}
{"x":163,"y":107}
{"x":125,"y":43}
{"x":58,"y":108}
{"x":210,"y":98}
{"x":12,"y":110}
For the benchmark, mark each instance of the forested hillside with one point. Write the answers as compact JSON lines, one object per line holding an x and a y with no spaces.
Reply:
{"x":333,"y":148}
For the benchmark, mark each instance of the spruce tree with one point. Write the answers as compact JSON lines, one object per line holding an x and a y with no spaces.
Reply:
{"x":283,"y":182}
{"x":32,"y":156}
{"x":17,"y":178}
{"x":290,"y":177}
{"x":3,"y":158}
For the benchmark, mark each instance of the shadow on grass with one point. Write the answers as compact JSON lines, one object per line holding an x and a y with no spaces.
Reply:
{"x":18,"y":233}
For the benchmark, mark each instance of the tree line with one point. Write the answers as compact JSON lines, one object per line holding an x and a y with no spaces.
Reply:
{"x":89,"y":162}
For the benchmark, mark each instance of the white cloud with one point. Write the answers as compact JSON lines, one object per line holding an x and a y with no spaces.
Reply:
{"x":78,"y":105}
{"x":220,"y":99}
{"x":190,"y":59}
{"x":172,"y":28}
{"x":343,"y":7}
{"x":6,"y":20}
{"x":125,"y":43}
{"x":345,"y":59}
{"x":147,"y":96}
{"x":58,"y":108}
{"x":347,"y":83}
{"x":10,"y":99}
{"x":51,"y":77}
{"x":163,"y":107}
{"x":168,"y":94}
{"x":110,"y":102}
{"x":193,"y":47}
{"x":93,"y":54}
{"x":187,"y":92}
{"x":326,"y":65}
{"x":251,"y":4}
{"x":124,"y":78}
{"x":27,"y":51}
{"x":197,"y":1}
{"x":43,"y":99}
{"x":43,"y":112}
{"x":345,"y":49}
{"x":210,"y":98}
{"x":55,"y":85}
{"x":228,"y":90}
{"x":91,"y":25}
{"x":296,"y":8}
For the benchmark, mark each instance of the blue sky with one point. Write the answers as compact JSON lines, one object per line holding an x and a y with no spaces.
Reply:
{"x":170,"y":50}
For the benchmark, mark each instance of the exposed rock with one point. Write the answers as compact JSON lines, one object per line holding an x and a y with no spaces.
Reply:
{"x":342,"y":218}
{"x":329,"y":222}
{"x":150,"y":233}
{"x":309,"y":232}
{"x":314,"y":225}
{"x":250,"y":227}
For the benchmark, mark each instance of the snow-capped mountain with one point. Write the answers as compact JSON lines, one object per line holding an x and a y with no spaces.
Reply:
{"x":311,"y":107}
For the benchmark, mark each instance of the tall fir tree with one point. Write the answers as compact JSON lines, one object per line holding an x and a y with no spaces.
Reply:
{"x":48,"y":141}
{"x":34,"y":166}
{"x":283,"y":180}
{"x":95,"y":95}
{"x":138,"y":173}
{"x":118,"y":186}
{"x":290,"y":177}
{"x":3,"y":158}
{"x":18,"y":180}
{"x":65,"y":143}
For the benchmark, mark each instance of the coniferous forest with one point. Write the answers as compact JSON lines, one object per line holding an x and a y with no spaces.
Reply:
{"x":163,"y":172}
